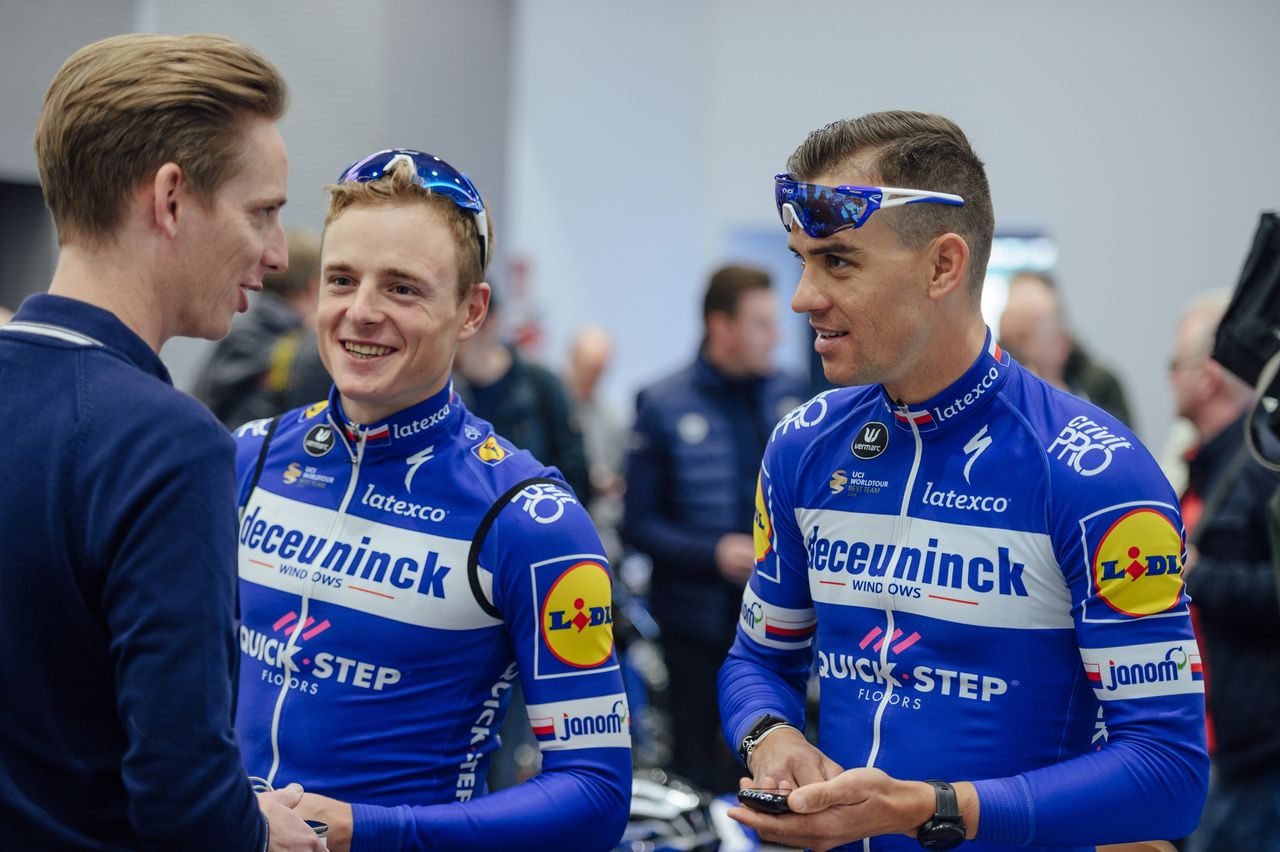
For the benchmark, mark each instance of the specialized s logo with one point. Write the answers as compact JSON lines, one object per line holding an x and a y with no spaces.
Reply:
{"x":762,"y":528}
{"x":977,"y":446}
{"x":1137,"y":567}
{"x":414,"y":462}
{"x":577,"y":616}
{"x":490,"y":452}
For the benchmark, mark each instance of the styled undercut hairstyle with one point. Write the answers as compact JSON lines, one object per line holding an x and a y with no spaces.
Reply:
{"x":911,"y":150}
{"x":120,"y":108}
{"x":399,"y":185}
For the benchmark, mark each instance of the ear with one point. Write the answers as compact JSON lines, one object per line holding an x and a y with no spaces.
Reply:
{"x":476,"y":305}
{"x":167,"y":198}
{"x":949,"y":257}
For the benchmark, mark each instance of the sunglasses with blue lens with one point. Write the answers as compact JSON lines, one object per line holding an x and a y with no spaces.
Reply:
{"x":435,"y":176}
{"x":824,"y":210}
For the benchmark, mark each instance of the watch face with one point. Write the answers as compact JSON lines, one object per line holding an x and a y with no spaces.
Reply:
{"x":940,"y":835}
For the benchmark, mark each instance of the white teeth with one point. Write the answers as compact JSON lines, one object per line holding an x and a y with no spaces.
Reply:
{"x":365,"y":350}
{"x":827,"y":335}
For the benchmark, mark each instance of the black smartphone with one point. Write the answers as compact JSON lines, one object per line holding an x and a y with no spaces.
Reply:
{"x":766,"y":801}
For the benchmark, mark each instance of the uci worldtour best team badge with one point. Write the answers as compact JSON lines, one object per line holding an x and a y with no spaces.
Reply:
{"x":872,"y":440}
{"x":319,"y":440}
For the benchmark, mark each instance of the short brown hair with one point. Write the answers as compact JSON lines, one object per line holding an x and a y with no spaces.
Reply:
{"x":727,"y":286}
{"x":399,"y":185}
{"x":121,"y":108}
{"x":912,"y":150}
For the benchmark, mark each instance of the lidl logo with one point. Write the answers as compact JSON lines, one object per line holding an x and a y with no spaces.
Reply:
{"x":1137,"y":567}
{"x":490,"y":452}
{"x":762,"y":529}
{"x":577,"y":616}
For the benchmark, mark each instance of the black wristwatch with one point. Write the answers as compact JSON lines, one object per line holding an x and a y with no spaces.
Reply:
{"x":762,"y":726}
{"x":945,"y":829}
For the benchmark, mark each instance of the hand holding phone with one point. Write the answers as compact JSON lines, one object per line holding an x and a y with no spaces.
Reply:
{"x":765,"y":801}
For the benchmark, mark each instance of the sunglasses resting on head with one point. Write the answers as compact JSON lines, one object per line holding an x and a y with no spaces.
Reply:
{"x":433,"y":175}
{"x":824,"y":210}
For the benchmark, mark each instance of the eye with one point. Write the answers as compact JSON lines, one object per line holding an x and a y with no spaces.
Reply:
{"x":404,"y":290}
{"x":836,"y":262}
{"x":798,"y":259}
{"x":341,"y":281}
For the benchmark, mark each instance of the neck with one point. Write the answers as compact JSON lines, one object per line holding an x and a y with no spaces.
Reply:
{"x":112,"y":278}
{"x":483,"y":365}
{"x":949,"y":349}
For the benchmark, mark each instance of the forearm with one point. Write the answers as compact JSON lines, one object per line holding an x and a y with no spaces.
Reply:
{"x":584,"y":803}
{"x":750,"y":687}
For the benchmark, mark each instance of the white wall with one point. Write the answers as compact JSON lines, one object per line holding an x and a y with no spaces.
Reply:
{"x":1141,"y":135}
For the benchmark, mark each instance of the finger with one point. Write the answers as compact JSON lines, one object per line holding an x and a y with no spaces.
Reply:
{"x":289,"y":796}
{"x":830,"y":769}
{"x":809,"y":772}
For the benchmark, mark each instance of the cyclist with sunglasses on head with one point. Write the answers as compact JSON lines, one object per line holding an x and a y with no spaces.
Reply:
{"x":985,"y":570}
{"x":401,"y":566}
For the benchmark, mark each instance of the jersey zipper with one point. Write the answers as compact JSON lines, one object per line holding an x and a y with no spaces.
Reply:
{"x":334,"y":526}
{"x":901,"y":526}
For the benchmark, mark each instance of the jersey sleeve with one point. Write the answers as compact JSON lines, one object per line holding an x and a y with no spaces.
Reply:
{"x":1118,"y":539}
{"x":551,"y":582}
{"x":768,"y":665}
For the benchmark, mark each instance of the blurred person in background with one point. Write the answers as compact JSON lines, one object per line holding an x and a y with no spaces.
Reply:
{"x":603,"y":433}
{"x":254,"y":371}
{"x":1232,"y":581}
{"x":163,"y":167}
{"x":524,"y":401}
{"x":691,"y":477}
{"x":1034,"y":329}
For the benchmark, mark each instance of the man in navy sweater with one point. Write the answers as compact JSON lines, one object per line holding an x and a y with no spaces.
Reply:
{"x":164,"y":171}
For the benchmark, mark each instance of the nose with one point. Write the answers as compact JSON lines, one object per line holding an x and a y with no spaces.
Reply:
{"x":366,"y":304}
{"x":808,"y":299}
{"x":275,"y":253}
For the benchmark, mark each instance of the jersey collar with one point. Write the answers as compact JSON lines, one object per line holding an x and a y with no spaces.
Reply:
{"x":971,"y":392}
{"x":403,"y":432}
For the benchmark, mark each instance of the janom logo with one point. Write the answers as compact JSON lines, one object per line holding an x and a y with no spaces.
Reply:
{"x":582,"y":725}
{"x":1175,"y":664}
{"x":577,"y":616}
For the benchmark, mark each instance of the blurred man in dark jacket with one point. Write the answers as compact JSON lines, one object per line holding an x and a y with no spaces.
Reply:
{"x":691,"y":481}
{"x":1233,"y":590}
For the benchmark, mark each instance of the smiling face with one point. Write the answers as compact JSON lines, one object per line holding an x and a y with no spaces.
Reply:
{"x":390,"y":317}
{"x":234,"y":240}
{"x":867,"y":297}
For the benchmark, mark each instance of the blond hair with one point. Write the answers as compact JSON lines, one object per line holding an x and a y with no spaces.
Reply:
{"x":120,"y":108}
{"x":399,"y":185}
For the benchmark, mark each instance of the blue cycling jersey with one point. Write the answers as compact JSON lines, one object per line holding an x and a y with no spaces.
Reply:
{"x":991,"y":584}
{"x":375,"y":670}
